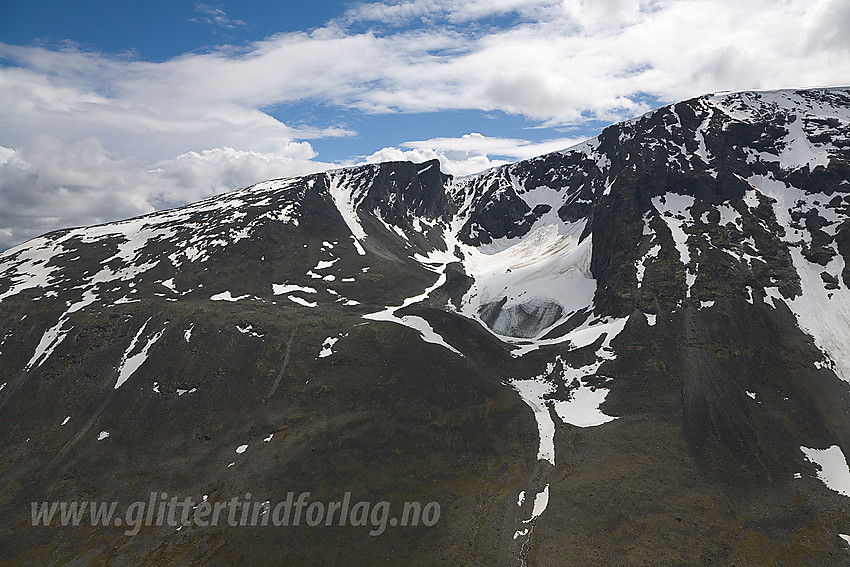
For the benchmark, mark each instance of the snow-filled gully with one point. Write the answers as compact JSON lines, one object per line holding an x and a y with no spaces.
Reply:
{"x":550,"y":263}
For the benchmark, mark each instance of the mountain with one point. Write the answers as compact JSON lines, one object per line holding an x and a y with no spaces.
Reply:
{"x":632,"y":352}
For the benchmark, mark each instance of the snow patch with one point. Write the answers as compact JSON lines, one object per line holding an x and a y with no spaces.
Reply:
{"x":541,"y":501}
{"x":833,"y":470}
{"x":249,"y":330}
{"x":327,"y":346}
{"x":323,"y":264}
{"x":640,"y":265}
{"x":582,"y":409}
{"x":49,"y":341}
{"x":226,"y":296}
{"x":674,"y":210}
{"x":280,"y":289}
{"x":129,"y":364}
{"x":532,"y":393}
{"x":300,"y":301}
{"x":426,"y":332}
{"x":343,"y":198}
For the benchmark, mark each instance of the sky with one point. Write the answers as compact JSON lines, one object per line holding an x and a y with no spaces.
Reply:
{"x":110,"y":110}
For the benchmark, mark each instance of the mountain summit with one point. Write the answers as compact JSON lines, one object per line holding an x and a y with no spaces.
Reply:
{"x":632,"y":352}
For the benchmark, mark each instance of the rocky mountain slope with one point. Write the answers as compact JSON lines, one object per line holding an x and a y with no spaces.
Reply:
{"x":632,"y":352}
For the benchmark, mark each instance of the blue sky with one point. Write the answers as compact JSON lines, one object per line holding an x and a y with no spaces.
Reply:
{"x":157,"y":30}
{"x":114,"y":109}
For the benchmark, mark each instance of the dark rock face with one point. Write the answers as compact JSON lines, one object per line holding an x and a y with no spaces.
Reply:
{"x":645,"y":338}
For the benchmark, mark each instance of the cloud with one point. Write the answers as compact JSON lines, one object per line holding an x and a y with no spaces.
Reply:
{"x":471,"y":153}
{"x":48,"y":184}
{"x":69,"y":92}
{"x":468,"y":166}
{"x":215,"y":17}
{"x":562,"y":63}
{"x":478,"y":144}
{"x":827,"y":26}
{"x":197,"y":175}
{"x":405,"y":12}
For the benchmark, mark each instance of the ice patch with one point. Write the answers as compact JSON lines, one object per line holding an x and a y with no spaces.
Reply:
{"x":546,"y":270}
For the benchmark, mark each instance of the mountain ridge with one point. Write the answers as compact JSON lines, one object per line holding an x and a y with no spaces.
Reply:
{"x":670,"y":300}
